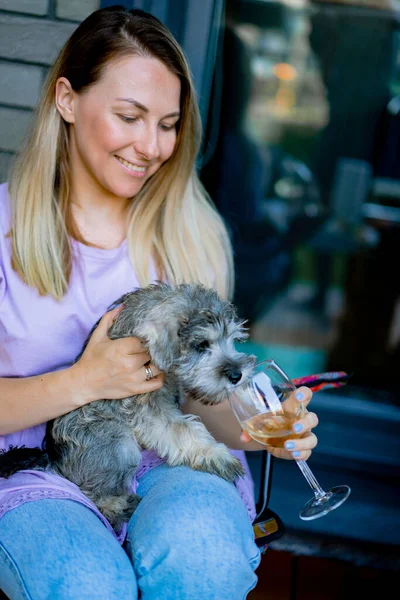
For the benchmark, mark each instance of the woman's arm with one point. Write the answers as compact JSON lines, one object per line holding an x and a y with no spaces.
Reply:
{"x":30,"y":401}
{"x":109,"y":369}
{"x":221,"y":423}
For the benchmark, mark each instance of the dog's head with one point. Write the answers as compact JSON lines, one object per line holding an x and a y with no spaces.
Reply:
{"x":191,"y":332}
{"x":209,"y":366}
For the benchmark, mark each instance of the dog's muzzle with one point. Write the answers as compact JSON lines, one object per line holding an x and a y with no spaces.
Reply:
{"x":235,"y":376}
{"x":232,"y":373}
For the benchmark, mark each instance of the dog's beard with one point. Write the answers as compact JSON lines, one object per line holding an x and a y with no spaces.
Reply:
{"x":205,"y":397}
{"x":210,"y":387}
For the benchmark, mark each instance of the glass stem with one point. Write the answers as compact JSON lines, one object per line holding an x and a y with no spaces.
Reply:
{"x":312,"y":482}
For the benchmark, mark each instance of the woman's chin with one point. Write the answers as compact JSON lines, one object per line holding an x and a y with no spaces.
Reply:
{"x":124,"y":190}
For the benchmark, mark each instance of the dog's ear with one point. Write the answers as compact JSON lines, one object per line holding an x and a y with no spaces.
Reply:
{"x":148,"y":315}
{"x":161,"y":337}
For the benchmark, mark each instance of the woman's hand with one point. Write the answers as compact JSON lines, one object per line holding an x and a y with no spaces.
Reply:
{"x":300,"y":448}
{"x":113,"y":369}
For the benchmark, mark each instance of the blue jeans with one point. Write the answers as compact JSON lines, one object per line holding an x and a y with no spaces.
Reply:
{"x":189,"y":538}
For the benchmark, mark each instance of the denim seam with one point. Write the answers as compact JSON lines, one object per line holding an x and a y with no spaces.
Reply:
{"x":18,"y":577}
{"x":250,"y":589}
{"x":253,"y":586}
{"x":258,"y":555}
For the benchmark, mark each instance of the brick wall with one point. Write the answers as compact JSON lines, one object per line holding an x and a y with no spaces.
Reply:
{"x":31,"y":34}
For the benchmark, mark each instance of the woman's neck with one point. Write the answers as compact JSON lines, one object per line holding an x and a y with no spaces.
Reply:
{"x":101,"y":221}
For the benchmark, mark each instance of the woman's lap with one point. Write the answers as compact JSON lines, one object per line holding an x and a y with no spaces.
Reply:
{"x":190,"y":537}
{"x":60,"y":549}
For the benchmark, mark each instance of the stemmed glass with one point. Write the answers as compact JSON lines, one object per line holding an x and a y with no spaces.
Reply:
{"x":259,"y":406}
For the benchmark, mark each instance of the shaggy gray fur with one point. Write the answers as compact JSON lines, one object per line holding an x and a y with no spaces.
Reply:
{"x":189,"y":333}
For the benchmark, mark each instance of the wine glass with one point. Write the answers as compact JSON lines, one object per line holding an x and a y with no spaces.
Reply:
{"x":258,"y":405}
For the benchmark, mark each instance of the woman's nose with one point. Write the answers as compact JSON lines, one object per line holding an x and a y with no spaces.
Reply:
{"x":147,"y":145}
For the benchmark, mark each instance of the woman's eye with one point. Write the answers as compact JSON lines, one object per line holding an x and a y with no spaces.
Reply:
{"x":167,"y":127}
{"x":128,"y":119}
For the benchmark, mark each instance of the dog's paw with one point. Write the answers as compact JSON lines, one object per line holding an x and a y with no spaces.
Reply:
{"x":221,"y":462}
{"x":118,"y":509}
{"x":131,"y":504}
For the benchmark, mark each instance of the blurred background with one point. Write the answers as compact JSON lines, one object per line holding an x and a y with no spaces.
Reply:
{"x":300,"y":102}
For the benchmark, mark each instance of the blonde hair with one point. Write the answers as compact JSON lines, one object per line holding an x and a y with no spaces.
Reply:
{"x":172,"y":219}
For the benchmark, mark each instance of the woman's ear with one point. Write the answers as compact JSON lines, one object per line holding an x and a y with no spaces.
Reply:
{"x":65,"y":99}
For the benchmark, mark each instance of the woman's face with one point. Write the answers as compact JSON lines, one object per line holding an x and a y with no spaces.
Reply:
{"x":123,"y":128}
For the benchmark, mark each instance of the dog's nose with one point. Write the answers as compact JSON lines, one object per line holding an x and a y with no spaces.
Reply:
{"x":234,"y":376}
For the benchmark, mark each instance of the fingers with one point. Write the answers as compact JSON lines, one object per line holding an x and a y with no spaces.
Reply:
{"x":301,"y":448}
{"x":105,"y":323}
{"x":304,"y":424}
{"x":117,"y":368}
{"x":130,"y":345}
{"x":309,"y":421}
{"x":150,"y":371}
{"x":245,"y":437}
{"x":139,"y":371}
{"x":301,"y":396}
{"x":143,"y":382}
{"x":150,"y":385}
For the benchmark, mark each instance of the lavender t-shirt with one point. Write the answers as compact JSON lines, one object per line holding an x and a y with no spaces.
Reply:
{"x":39,"y":335}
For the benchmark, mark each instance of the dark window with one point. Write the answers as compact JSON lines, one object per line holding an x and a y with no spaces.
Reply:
{"x":306,"y":174}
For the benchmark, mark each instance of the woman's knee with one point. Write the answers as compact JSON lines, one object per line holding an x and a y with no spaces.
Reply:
{"x":59,"y":549}
{"x":199,"y":531}
{"x":183,"y":496}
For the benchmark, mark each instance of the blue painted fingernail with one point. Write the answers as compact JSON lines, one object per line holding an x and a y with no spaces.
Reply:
{"x":299,"y":396}
{"x":298,"y":427}
{"x":289,"y":445}
{"x":296,"y":454}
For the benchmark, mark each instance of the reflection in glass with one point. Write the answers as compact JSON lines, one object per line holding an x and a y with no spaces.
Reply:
{"x":304,"y":138}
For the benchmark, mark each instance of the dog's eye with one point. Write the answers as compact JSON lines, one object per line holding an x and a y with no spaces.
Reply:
{"x":202,"y":346}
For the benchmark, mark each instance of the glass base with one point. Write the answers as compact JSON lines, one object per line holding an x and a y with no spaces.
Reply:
{"x":319,"y":507}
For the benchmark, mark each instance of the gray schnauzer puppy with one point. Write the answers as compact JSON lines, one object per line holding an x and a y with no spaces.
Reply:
{"x":189,"y":333}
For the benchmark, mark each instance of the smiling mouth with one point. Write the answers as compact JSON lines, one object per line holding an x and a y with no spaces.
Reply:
{"x":131,"y":166}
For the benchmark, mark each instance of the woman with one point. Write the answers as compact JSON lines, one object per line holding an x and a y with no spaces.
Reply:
{"x":103,"y":198}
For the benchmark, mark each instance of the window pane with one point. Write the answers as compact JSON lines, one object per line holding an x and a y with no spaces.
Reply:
{"x":306,"y":175}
